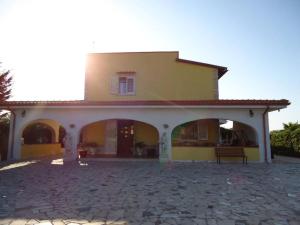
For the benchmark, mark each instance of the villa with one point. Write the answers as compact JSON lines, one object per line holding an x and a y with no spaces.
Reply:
{"x":143,"y":105}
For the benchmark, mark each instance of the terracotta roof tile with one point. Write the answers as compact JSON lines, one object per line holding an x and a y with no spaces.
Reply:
{"x":224,"y":102}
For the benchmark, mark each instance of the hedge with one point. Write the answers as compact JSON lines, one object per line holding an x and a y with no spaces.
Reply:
{"x":281,"y":150}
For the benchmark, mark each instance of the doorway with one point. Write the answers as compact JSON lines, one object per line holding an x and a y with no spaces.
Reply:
{"x":125,"y":138}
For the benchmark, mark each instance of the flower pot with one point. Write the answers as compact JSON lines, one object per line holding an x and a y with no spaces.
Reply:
{"x":82,"y":154}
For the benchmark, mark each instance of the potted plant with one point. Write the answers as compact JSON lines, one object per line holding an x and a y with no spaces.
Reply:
{"x":81,"y":151}
{"x":88,"y":148}
{"x":91,"y":147}
{"x":139,"y":148}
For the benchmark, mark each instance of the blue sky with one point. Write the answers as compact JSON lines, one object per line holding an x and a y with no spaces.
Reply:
{"x":259,"y":42}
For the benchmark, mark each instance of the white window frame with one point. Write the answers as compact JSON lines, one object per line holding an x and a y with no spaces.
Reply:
{"x":202,"y":133}
{"x":202,"y":128}
{"x":127,"y":77}
{"x":115,"y":84}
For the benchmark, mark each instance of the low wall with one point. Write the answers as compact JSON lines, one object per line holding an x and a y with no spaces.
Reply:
{"x":40,"y":150}
{"x":208,"y":153}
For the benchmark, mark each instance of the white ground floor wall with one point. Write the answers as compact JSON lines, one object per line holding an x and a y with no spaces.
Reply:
{"x":165,"y":119}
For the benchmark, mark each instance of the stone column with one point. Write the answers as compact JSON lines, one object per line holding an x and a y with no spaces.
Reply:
{"x":11,"y":137}
{"x":165,"y":144}
{"x":268,"y":143}
{"x":260,"y":137}
{"x":70,"y":143}
{"x":17,"y":128}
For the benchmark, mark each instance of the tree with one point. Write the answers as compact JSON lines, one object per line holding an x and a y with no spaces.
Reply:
{"x":278,"y":138}
{"x":287,"y":139}
{"x":5,"y":85}
{"x":290,"y":130}
{"x":4,"y":133}
{"x":5,"y":88}
{"x":296,"y":139}
{"x":5,"y":93}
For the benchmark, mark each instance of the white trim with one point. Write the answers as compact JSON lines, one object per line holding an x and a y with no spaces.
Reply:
{"x":199,"y":127}
{"x":146,"y":106}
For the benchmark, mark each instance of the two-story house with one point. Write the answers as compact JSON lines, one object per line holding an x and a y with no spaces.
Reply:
{"x":143,"y":104}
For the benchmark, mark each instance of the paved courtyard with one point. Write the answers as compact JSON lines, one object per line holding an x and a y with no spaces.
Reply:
{"x":149,"y":192}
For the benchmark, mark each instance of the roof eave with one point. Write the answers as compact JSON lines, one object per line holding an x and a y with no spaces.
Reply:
{"x":221,"y":69}
{"x":271,"y":104}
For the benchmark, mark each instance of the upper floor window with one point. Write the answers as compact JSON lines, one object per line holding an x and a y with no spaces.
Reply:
{"x":123,"y":83}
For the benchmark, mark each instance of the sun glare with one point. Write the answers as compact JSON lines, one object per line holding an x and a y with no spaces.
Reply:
{"x":47,"y":46}
{"x":18,"y":164}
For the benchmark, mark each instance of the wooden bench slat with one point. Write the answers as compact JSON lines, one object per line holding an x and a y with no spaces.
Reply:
{"x":230,"y":152}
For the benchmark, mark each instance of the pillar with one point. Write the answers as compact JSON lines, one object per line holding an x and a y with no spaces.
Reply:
{"x":165,"y":144}
{"x":71,"y":141}
{"x":268,"y":143}
{"x":16,"y":137}
{"x":11,"y":136}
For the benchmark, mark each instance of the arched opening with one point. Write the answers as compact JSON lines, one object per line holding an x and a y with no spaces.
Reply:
{"x":38,"y":133}
{"x":41,"y":138}
{"x":119,"y":138}
{"x":196,"y":133}
{"x":196,"y":140}
{"x":233,"y":133}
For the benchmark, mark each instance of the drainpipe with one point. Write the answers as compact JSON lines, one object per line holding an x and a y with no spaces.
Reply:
{"x":265,"y":136}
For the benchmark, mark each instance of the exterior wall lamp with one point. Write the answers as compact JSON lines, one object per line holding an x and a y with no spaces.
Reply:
{"x":23,"y":114}
{"x":251,"y":113}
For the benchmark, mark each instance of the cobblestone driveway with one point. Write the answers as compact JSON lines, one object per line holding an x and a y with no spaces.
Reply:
{"x":149,"y":193}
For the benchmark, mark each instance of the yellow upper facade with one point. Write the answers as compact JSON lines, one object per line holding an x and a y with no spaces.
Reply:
{"x":149,"y":76}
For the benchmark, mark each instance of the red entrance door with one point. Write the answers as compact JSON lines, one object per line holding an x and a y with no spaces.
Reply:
{"x":125,"y":138}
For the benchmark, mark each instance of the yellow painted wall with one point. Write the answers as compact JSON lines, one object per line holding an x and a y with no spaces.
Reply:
{"x":52,"y":123}
{"x":193,"y":153}
{"x":94,"y":132}
{"x":252,"y":153}
{"x":158,"y":77}
{"x":145,"y":133}
{"x":40,"y":150}
{"x":208,"y":154}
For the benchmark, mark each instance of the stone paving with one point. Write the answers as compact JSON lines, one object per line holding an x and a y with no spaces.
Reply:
{"x":149,"y":192}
